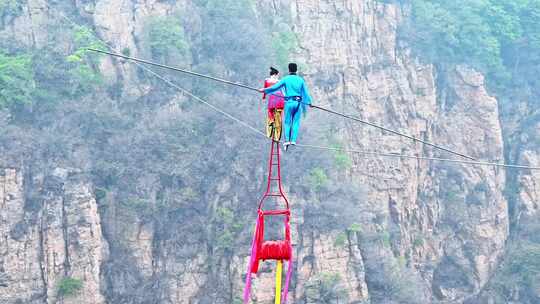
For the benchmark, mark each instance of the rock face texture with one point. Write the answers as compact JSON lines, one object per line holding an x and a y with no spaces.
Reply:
{"x":51,"y":231}
{"x":449,"y":222}
{"x":528,"y":183}
{"x":430,"y":232}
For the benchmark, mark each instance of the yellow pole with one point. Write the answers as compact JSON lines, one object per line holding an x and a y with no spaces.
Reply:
{"x":278,"y":281}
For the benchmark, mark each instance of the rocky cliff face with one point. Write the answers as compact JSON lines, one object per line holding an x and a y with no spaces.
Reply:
{"x":51,"y":230}
{"x":528,"y":181}
{"x":449,"y":222}
{"x":430,"y":232}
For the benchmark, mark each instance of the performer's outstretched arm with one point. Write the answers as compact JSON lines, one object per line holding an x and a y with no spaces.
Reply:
{"x":275,"y":87}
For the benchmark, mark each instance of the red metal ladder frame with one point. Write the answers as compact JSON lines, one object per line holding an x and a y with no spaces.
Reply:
{"x":272,"y":163}
{"x":275,"y":176}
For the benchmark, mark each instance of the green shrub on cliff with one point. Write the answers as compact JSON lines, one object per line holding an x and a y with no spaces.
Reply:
{"x":69,"y":287}
{"x":326,"y":287}
{"x":317,"y":179}
{"x":227,"y":228}
{"x":284,"y":42}
{"x":46,"y":76}
{"x":165,"y":37}
{"x":499,"y":38}
{"x":341,"y":240}
{"x":9,"y":7}
{"x":342,"y":159}
{"x":16,"y":79}
{"x":83,"y":63}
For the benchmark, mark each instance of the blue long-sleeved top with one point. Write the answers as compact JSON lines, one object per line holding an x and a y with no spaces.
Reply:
{"x":292,"y":85}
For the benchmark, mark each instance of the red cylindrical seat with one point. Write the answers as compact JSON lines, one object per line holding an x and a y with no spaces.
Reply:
{"x":275,"y":250}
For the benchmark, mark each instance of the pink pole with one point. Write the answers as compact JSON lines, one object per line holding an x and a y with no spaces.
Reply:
{"x":287,"y":280}
{"x":247,"y":289}
{"x":289,"y":264}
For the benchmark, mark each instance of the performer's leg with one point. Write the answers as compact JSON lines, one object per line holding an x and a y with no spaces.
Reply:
{"x":277,"y":124}
{"x":270,"y":123}
{"x":287,"y":124}
{"x":295,"y":123}
{"x":268,"y":127}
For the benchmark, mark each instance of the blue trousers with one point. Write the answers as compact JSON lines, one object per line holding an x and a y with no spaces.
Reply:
{"x":291,"y":123}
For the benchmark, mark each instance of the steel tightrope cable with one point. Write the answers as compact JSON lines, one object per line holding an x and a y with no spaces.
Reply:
{"x":372,"y":153}
{"x":392,"y":131}
{"x":170,"y":83}
{"x":399,"y":155}
{"x":140,"y":62}
{"x":143,"y":61}
{"x":188,"y":93}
